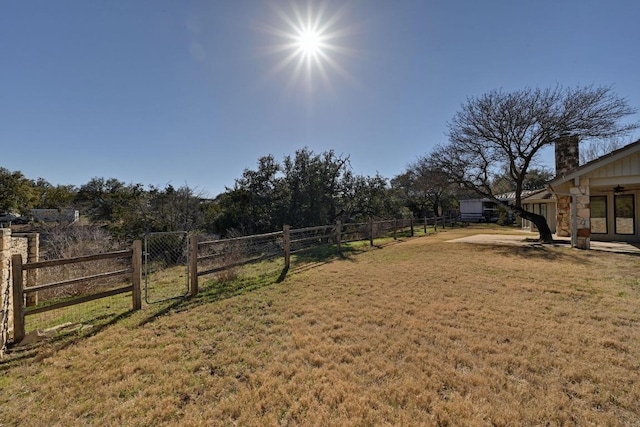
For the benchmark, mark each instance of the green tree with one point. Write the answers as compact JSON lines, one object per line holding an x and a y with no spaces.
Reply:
{"x":17,"y":193}
{"x":364,"y":197}
{"x":307,"y":189}
{"x":54,"y":197}
{"x":258,"y":202}
{"x":107,"y":199}
{"x":424,"y":185}
{"x":314,"y":182}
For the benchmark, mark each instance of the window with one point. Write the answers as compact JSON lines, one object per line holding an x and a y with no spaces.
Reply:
{"x":624,"y":207}
{"x":599,"y":214}
{"x":543,"y":209}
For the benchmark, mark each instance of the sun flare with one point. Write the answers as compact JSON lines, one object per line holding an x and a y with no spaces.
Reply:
{"x":310,"y":43}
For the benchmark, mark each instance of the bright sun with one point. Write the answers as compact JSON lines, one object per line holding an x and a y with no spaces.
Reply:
{"x":309,"y":43}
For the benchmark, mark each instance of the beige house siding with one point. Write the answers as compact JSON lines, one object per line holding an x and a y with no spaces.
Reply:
{"x":614,"y":179}
{"x":535,"y":206}
{"x":628,"y":166}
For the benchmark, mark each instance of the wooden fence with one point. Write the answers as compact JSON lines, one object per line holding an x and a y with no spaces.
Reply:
{"x":205,"y":257}
{"x":20,"y":311}
{"x":214,"y":256}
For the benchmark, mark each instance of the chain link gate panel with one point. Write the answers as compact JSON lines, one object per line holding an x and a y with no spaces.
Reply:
{"x":166,"y":266}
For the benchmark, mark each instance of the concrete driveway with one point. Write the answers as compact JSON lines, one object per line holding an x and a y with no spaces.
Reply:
{"x":521,"y":240}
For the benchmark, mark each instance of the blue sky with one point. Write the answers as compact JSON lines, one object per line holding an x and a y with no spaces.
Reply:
{"x":194,"y":92}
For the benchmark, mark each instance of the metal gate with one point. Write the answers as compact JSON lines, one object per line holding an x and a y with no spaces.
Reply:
{"x":166,"y":266}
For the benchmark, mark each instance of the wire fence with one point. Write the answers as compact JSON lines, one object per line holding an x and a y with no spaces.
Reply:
{"x":312,"y":237}
{"x":225,"y":257}
{"x":77,"y":316}
{"x":166,"y":266}
{"x":174,"y":261}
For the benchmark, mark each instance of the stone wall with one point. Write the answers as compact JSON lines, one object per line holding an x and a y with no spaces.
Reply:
{"x":567,"y":155}
{"x":27,"y":245}
{"x":568,"y":160}
{"x":563,"y":216}
{"x":6,"y":300}
{"x":19,"y":245}
{"x":583,"y":214}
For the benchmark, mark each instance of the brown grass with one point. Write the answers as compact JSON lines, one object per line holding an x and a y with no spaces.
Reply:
{"x":423,"y":332}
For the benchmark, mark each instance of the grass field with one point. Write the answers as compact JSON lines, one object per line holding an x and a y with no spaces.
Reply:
{"x":422,"y":332}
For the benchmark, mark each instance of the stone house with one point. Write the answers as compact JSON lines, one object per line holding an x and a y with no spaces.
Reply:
{"x":598,"y":200}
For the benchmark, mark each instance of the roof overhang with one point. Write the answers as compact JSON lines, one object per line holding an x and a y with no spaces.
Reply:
{"x":598,"y":163}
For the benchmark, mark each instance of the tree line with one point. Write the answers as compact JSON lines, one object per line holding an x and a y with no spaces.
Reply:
{"x":304,"y":189}
{"x":494,"y":146}
{"x":126,"y":210}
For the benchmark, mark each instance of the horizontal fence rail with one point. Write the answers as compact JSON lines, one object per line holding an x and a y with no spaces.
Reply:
{"x":205,"y":257}
{"x":133,"y":258}
{"x":220,"y":254}
{"x":303,"y":239}
{"x":76,"y":260}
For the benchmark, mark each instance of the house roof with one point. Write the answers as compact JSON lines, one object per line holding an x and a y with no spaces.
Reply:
{"x":528,"y":195}
{"x":602,"y":161}
{"x":541,"y":194}
{"x":511,"y":195}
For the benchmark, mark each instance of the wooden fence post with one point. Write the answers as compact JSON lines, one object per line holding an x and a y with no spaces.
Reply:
{"x":339,"y":236}
{"x":425,"y":225}
{"x":395,"y":229}
{"x":136,"y":276}
{"x":411,"y":225}
{"x":370,"y":231}
{"x":33,"y":255}
{"x":286,"y":243}
{"x":18,"y":298}
{"x":193,"y":265}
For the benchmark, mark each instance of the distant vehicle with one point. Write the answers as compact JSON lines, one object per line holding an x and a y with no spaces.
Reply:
{"x":21,"y":220}
{"x":7,"y":218}
{"x":478,"y":210}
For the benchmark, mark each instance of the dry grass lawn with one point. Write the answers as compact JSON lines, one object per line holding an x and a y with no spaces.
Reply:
{"x":423,"y":332}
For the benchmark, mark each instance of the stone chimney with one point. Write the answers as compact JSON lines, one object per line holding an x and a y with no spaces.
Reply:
{"x":567,"y":155}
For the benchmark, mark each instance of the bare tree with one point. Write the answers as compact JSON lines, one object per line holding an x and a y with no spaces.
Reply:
{"x":501,"y":131}
{"x":423,"y":185}
{"x":591,"y":150}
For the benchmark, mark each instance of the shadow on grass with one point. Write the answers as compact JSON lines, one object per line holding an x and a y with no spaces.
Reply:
{"x":533,"y":250}
{"x":327,"y":253}
{"x":44,"y":347}
{"x":210,"y":291}
{"x":318,"y":256}
{"x":36,"y":348}
{"x":214,"y":290}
